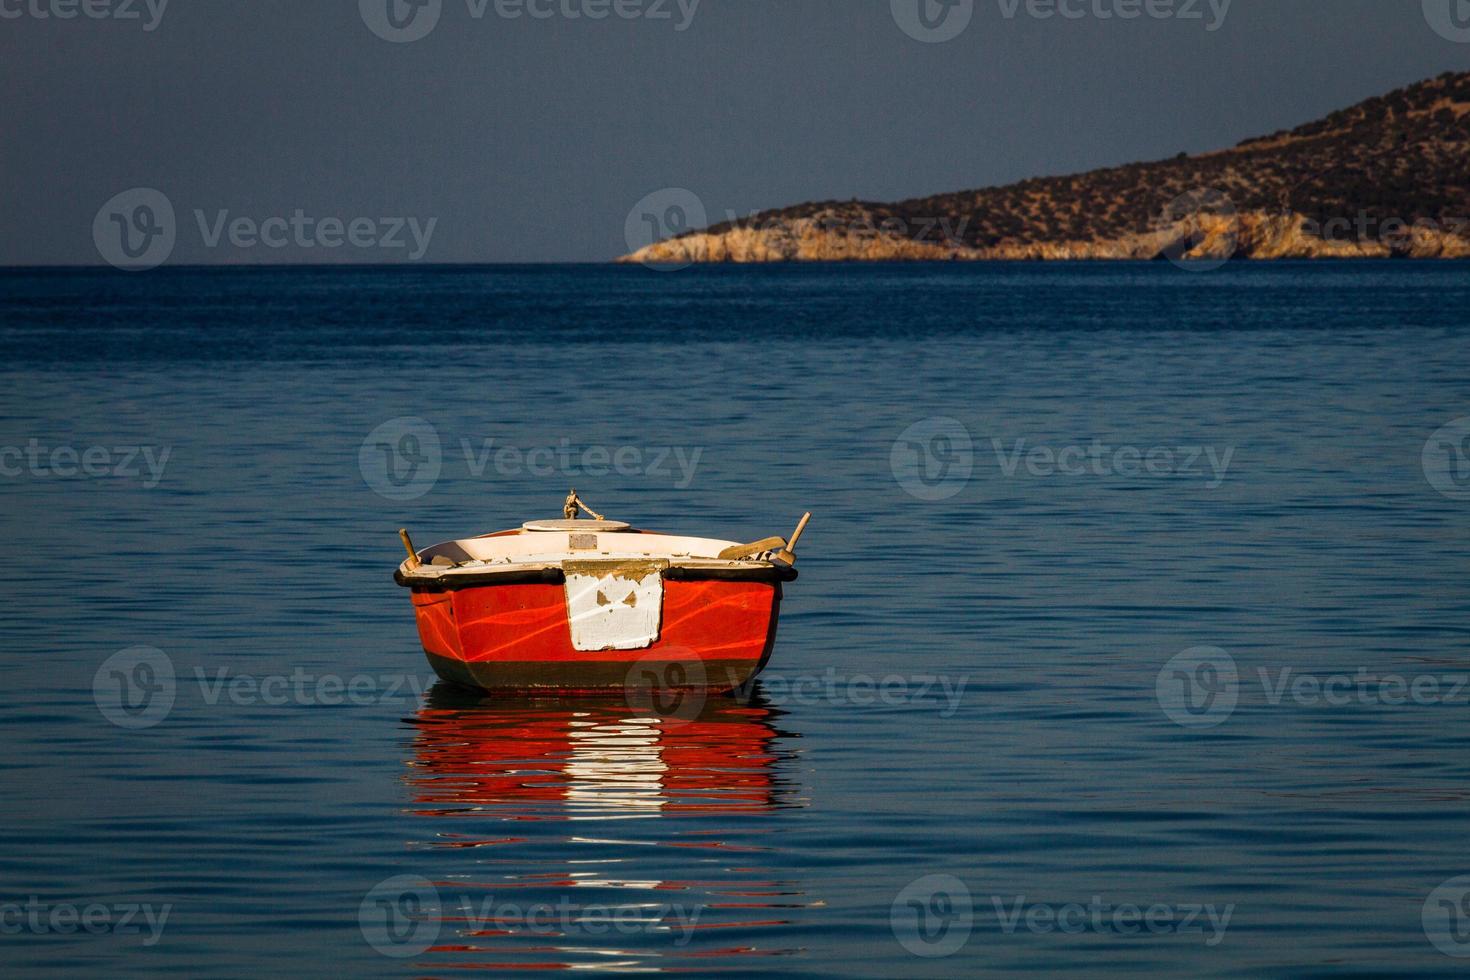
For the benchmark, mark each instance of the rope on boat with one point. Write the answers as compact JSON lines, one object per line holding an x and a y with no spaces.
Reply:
{"x":575,"y":505}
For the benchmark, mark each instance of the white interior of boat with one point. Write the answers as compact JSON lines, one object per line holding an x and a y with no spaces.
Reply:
{"x":575,"y":544}
{"x":541,"y":544}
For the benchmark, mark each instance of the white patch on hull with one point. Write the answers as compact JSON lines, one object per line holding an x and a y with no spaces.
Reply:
{"x":619,"y":608}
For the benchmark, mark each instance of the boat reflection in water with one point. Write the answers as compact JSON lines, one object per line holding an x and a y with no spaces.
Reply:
{"x":592,"y":835}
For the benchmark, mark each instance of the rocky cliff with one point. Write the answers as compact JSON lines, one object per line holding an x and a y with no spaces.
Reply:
{"x":1389,"y":177}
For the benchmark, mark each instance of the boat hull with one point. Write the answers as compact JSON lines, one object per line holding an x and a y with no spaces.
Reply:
{"x":714,"y":636}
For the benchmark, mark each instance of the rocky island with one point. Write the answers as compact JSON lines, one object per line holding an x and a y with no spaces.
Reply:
{"x":1389,"y":177}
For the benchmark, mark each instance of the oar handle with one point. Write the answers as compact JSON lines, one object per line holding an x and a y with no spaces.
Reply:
{"x":788,"y":553}
{"x":413,"y":556}
{"x":800,"y":527}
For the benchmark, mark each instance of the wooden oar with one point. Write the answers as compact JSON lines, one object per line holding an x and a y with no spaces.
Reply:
{"x":788,"y":553}
{"x":785,"y":551}
{"x":753,"y":549}
{"x":413,"y":556}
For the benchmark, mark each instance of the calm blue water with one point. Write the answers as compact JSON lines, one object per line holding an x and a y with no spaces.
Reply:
{"x":1080,"y":534}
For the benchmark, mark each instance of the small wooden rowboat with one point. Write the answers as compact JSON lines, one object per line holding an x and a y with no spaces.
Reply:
{"x":588,"y":605}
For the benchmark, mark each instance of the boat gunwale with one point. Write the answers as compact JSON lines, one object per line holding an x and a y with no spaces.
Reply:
{"x":427,"y":579}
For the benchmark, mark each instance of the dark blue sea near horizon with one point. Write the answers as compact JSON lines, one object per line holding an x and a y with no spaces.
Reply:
{"x":1132,"y":634}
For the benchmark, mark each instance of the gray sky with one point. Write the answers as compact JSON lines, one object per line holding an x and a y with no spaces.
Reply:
{"x":530,"y":139}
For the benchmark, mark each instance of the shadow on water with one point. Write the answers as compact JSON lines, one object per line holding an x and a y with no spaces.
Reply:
{"x":670,"y":863}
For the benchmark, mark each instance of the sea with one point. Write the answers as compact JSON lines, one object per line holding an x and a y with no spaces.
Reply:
{"x":1131,"y":638}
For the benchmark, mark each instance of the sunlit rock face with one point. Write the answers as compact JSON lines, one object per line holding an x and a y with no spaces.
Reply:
{"x":1389,"y":177}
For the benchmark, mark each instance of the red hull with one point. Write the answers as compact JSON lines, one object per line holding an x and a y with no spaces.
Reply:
{"x":715,"y":636}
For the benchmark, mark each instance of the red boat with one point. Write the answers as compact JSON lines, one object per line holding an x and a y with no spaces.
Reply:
{"x":587,"y":605}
